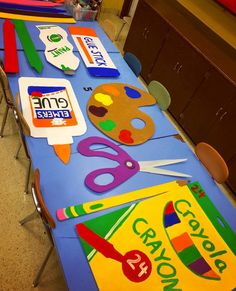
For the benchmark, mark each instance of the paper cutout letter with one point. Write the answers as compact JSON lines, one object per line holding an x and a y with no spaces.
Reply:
{"x":58,"y":51}
{"x":51,"y":110}
{"x":179,"y":232}
{"x":94,"y":55}
{"x":114,"y":106}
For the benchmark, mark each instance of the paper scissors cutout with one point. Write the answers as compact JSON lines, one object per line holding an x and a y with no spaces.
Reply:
{"x":127,"y":167}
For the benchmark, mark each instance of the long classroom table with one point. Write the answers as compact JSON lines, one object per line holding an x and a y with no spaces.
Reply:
{"x":63,"y":185}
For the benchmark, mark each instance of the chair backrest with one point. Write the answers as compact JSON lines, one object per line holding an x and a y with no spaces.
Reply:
{"x":133,"y":62}
{"x":157,"y":90}
{"x":5,"y":85}
{"x":213,"y":162}
{"x":39,"y":202}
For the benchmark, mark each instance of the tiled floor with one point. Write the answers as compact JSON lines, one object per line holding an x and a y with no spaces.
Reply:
{"x":22,"y":248}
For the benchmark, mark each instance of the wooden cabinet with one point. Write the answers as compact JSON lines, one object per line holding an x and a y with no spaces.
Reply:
{"x":196,"y":66}
{"x":176,"y":69}
{"x":146,"y":36}
{"x":208,"y":106}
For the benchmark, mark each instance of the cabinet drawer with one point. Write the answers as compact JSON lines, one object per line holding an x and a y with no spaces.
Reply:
{"x":146,"y":36}
{"x":180,"y":69}
{"x":232,"y":173}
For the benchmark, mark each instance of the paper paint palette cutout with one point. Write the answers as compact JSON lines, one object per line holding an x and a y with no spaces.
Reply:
{"x":113,"y":107}
{"x":58,"y":50}
{"x":93,"y":53}
{"x":154,"y":227}
{"x":51,"y":110}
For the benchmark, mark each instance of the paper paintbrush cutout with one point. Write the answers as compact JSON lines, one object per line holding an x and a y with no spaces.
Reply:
{"x":51,"y":110}
{"x":127,"y":167}
{"x":58,"y":50}
{"x":102,"y":204}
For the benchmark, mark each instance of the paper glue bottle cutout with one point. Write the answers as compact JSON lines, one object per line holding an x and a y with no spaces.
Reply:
{"x":58,"y":50}
{"x":51,"y":110}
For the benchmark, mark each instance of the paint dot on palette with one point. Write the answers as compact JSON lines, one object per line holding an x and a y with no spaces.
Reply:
{"x":132,"y":93}
{"x":107,"y":125}
{"x":111,"y":89}
{"x":103,"y":98}
{"x":98,"y":111}
{"x":126,"y":136}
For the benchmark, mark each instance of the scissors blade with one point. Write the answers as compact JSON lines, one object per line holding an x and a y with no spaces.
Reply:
{"x":157,"y":163}
{"x":163,"y":172}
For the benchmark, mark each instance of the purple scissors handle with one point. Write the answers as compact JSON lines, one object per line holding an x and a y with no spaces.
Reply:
{"x":127,"y":166}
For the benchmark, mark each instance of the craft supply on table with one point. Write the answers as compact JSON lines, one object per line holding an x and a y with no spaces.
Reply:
{"x":106,"y":203}
{"x":113,"y":108}
{"x":93,"y":53}
{"x":51,"y":110}
{"x":58,"y":50}
{"x":127,"y":167}
{"x":31,"y":3}
{"x":11,"y":64}
{"x":28,"y":46}
{"x":20,"y":7}
{"x":187,"y":244}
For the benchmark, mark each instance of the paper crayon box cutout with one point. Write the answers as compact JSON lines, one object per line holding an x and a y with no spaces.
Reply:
{"x":93,"y":53}
{"x":169,"y":242}
{"x":58,"y":50}
{"x":51,"y":110}
{"x":113,"y":107}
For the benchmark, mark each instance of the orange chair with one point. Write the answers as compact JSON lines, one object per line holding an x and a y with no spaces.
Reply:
{"x":213,"y":162}
{"x":46,"y":217}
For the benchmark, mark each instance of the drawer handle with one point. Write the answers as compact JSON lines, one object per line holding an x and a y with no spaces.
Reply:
{"x":179,"y":69}
{"x":219,"y":110}
{"x":176,"y":65}
{"x":223,"y":115}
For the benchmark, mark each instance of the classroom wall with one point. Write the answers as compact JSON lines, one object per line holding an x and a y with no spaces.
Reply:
{"x":112,"y":4}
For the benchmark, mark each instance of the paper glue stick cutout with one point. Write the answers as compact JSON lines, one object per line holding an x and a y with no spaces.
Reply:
{"x":58,"y":51}
{"x":93,"y":53}
{"x":51,"y":110}
{"x":11,"y":64}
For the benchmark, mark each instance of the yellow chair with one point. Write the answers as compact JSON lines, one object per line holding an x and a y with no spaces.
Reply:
{"x":213,"y":162}
{"x":48,"y":221}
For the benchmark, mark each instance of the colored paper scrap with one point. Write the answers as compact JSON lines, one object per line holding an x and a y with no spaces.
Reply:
{"x":11,"y":64}
{"x":177,"y":243}
{"x":93,"y":53}
{"x":102,"y":204}
{"x":28,"y":46}
{"x":58,"y":50}
{"x":51,"y":110}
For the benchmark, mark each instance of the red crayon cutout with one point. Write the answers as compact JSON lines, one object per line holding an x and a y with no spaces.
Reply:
{"x":136,"y":265}
{"x":10,"y":50}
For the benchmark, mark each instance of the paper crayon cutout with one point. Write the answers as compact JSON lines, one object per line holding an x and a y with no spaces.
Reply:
{"x":58,"y":50}
{"x":31,"y":3}
{"x":179,"y":232}
{"x":11,"y":64}
{"x":134,"y":272}
{"x":51,"y":110}
{"x":113,"y":107}
{"x":41,"y":9}
{"x":28,"y":46}
{"x":93,"y":53}
{"x":102,"y":204}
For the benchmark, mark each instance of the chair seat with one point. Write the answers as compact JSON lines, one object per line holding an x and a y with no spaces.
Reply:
{"x":157,"y":90}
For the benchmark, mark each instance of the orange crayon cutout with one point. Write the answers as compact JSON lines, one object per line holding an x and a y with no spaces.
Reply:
{"x":63,"y":152}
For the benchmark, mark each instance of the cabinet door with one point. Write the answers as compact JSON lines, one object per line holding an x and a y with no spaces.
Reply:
{"x":146,"y":35}
{"x":232,"y":173}
{"x":207,"y":105}
{"x":223,"y":135}
{"x":180,"y":69}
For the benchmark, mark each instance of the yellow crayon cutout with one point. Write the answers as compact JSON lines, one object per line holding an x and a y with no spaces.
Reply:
{"x":102,"y":204}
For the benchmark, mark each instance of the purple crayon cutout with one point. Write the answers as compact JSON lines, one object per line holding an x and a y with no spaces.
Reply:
{"x":126,"y":169}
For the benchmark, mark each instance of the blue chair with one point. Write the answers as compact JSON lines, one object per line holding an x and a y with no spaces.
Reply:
{"x":133,"y":62}
{"x":157,"y":90}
